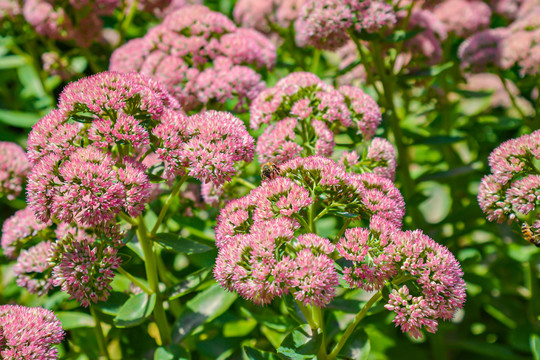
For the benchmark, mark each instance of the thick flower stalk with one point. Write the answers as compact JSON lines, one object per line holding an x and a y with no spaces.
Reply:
{"x":201,"y":57}
{"x":28,"y":333}
{"x":14,"y":168}
{"x":268,"y":245}
{"x":512,"y":191}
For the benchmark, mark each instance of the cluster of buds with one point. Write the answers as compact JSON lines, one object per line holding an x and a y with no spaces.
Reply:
{"x":201,"y":57}
{"x":269,"y":247}
{"x":512,"y":191}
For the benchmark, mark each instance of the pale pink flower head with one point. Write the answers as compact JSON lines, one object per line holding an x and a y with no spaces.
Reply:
{"x":9,"y":9}
{"x":201,"y":57}
{"x":365,"y":249}
{"x":383,"y":157}
{"x":482,"y":49}
{"x":33,"y":269}
{"x":513,"y":189}
{"x":280,"y":196}
{"x":263,"y":14}
{"x":521,"y":45}
{"x":29,"y":333}
{"x":248,"y":264}
{"x":14,"y":167}
{"x":372,"y":15}
{"x":439,"y":276}
{"x":234,"y":219}
{"x":323,"y":24}
{"x":426,"y":45}
{"x":84,"y":268}
{"x":279,"y":142}
{"x":218,"y":141}
{"x":464,"y":17}
{"x":18,"y":230}
{"x":365,"y":113}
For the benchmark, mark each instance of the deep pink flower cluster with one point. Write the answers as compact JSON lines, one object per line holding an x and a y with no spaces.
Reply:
{"x":201,"y":57}
{"x":29,"y":333}
{"x":262,"y":256}
{"x":18,"y":230}
{"x":324,"y":23}
{"x":263,"y":14}
{"x":512,"y":190}
{"x":60,"y":20}
{"x":464,"y":17}
{"x":84,"y":264}
{"x":482,"y":49}
{"x":380,"y":158}
{"x":305,"y":113}
{"x":426,"y":45}
{"x":14,"y":168}
{"x":268,"y":248}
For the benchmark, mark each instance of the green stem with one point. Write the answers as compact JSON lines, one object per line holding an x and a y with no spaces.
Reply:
{"x":302,"y":222}
{"x":395,"y":126}
{"x":245,"y":183}
{"x":134,"y":280}
{"x":354,"y":324}
{"x":321,"y":214}
{"x":102,"y":343}
{"x":152,"y":277}
{"x":307,"y":314}
{"x":126,"y":21}
{"x":319,"y":319}
{"x":511,"y":96}
{"x":174,"y":193}
{"x":342,"y":230}
{"x":127,"y":218}
{"x":316,"y":60}
{"x":311,"y":210}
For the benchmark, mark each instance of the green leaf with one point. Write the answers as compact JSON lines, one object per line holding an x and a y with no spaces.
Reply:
{"x":440,"y":140}
{"x":171,"y":352}
{"x":18,"y":118}
{"x":12,"y":61}
{"x":432,"y":71}
{"x":401,"y":35}
{"x":188,"y":284}
{"x":74,"y":320}
{"x":344,"y":214}
{"x":301,"y":343}
{"x":250,"y":353}
{"x":135,"y":310}
{"x":204,"y":307}
{"x":535,"y":346}
{"x":357,"y":346}
{"x":177,"y":243}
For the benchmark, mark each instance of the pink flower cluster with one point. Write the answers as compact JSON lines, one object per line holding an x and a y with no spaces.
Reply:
{"x":260,"y":255}
{"x":324,"y":23}
{"x":305,"y":112}
{"x":83,"y":265}
{"x":512,"y":190}
{"x":464,"y":17}
{"x":268,"y":247}
{"x":380,"y":158}
{"x":89,"y":173}
{"x":425,"y":45}
{"x":518,"y":43}
{"x":18,"y":230}
{"x":14,"y":168}
{"x":29,"y":333}
{"x":33,"y":269}
{"x":201,"y":57}
{"x":263,"y":14}
{"x":60,"y":20}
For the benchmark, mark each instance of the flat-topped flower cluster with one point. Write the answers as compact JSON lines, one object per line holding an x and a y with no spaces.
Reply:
{"x":268,"y":245}
{"x":201,"y":57}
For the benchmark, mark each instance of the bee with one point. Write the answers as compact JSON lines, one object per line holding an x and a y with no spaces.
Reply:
{"x":530,"y":235}
{"x":269,"y":171}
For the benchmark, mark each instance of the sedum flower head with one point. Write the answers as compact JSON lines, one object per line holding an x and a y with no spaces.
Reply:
{"x":201,"y":57}
{"x":264,"y":14}
{"x":33,"y":269}
{"x":512,"y":190}
{"x":18,"y":230}
{"x":84,"y":268}
{"x":482,"y":49}
{"x":464,"y":17}
{"x":14,"y":168}
{"x":29,"y":333}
